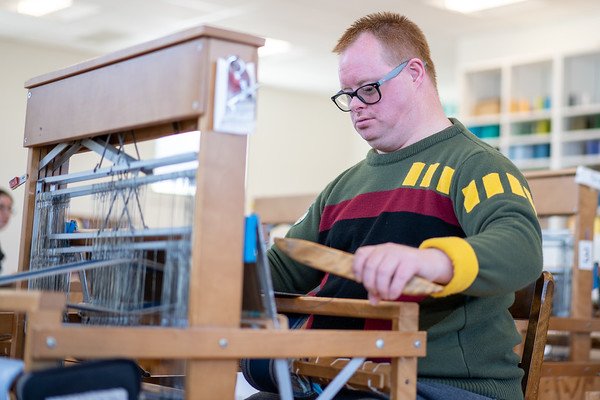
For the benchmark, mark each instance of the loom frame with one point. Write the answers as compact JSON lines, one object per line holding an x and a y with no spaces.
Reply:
{"x":159,"y":88}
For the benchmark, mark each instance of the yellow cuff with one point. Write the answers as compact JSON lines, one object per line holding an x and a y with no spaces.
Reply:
{"x":464,"y":262}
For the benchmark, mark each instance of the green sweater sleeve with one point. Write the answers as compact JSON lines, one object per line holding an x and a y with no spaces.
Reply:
{"x":494,"y":207}
{"x":287,"y":274}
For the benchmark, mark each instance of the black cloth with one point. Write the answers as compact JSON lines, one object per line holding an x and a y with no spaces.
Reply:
{"x":103,"y":378}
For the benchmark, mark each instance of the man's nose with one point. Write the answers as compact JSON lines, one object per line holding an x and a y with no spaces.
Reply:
{"x":355,"y":103}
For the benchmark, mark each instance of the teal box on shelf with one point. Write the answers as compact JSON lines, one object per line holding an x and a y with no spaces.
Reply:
{"x":476,"y":130}
{"x":491,"y":131}
{"x":486,"y":131}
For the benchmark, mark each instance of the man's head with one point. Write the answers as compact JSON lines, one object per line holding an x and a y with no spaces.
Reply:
{"x":401,"y":38}
{"x":6,"y":203}
{"x":385,"y":72}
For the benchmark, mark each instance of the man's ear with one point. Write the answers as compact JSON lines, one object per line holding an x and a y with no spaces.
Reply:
{"x":416,"y":69}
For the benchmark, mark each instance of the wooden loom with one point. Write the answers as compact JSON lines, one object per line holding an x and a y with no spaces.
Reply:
{"x":157,"y":89}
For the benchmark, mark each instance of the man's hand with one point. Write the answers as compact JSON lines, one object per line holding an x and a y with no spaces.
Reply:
{"x":385,"y":269}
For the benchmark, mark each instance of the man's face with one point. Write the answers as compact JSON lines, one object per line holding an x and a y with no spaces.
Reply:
{"x":5,"y":210}
{"x":382,"y":124}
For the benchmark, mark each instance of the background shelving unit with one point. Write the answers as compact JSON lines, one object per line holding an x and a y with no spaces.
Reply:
{"x":581,"y":108}
{"x":481,"y":101}
{"x":543,"y":112}
{"x":529,"y":121}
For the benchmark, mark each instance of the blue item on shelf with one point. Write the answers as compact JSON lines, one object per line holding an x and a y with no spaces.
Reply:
{"x":547,"y":102}
{"x":541,"y":150}
{"x":520,"y":152}
{"x":592,"y":147}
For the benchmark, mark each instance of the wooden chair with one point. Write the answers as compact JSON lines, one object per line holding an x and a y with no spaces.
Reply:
{"x":534,"y":305}
{"x":6,"y":328}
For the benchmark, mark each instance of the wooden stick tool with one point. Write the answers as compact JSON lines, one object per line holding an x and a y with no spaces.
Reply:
{"x":337,"y":262}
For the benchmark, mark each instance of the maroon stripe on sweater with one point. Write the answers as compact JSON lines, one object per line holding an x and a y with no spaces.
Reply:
{"x":404,"y":199}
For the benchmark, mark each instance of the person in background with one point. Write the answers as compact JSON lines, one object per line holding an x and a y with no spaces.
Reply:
{"x":431,"y":200}
{"x":6,"y":203}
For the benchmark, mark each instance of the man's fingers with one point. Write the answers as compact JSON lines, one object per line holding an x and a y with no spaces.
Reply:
{"x":385,"y":273}
{"x":369,"y":267}
{"x":360,"y":258}
{"x":397,"y":285}
{"x":373,"y":298}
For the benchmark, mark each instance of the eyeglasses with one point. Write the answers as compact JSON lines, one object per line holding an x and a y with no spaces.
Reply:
{"x":369,"y":93}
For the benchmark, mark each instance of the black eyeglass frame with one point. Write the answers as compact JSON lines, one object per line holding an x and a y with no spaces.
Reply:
{"x":390,"y":75}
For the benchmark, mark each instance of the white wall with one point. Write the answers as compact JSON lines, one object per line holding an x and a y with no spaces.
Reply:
{"x":302,"y":140}
{"x":301,"y":143}
{"x":20,"y":61}
{"x":564,"y":36}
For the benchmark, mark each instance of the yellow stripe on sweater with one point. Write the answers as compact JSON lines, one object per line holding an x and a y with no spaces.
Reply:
{"x":413,"y":174}
{"x":464,"y":262}
{"x":471,"y":196}
{"x":426,"y":181}
{"x":443,"y":185}
{"x":515,"y":185}
{"x":528,"y":194}
{"x":492,"y":184}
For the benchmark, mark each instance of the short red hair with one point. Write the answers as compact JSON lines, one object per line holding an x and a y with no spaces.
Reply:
{"x":397,"y":34}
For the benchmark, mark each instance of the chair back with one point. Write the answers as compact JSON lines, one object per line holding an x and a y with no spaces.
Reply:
{"x":534,"y":304}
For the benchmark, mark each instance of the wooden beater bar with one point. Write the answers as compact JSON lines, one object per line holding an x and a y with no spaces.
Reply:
{"x":339,"y":263}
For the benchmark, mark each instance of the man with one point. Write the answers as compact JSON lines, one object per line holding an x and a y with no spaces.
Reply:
{"x":431,"y":200}
{"x":6,"y":203}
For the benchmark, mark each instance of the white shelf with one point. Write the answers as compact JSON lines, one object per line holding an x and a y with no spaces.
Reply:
{"x":529,"y":116}
{"x":587,"y":159}
{"x":482,"y":120}
{"x":581,"y":110}
{"x":533,"y":163}
{"x":533,"y":138}
{"x":580,"y":135}
{"x":560,"y":96}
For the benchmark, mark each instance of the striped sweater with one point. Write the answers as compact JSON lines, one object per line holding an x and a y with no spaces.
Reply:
{"x":452,"y":192}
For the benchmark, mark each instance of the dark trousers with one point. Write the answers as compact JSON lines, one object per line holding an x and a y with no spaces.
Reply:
{"x":425,"y":391}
